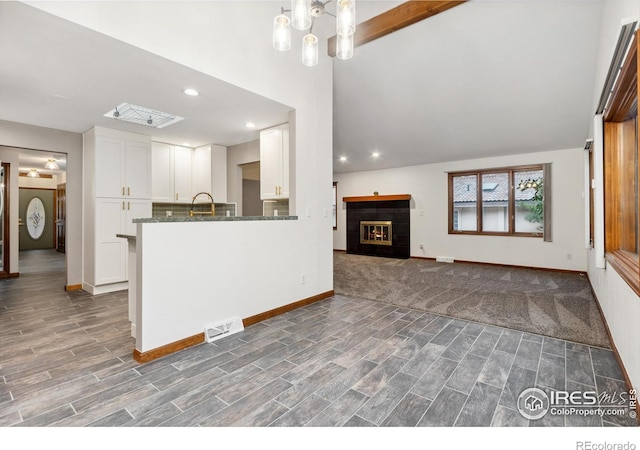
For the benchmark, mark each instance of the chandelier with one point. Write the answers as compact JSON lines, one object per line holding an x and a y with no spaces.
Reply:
{"x":303,"y":13}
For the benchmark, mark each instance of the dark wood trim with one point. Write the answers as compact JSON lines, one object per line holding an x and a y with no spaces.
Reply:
{"x":377,"y":198}
{"x":9,"y":275}
{"x":286,"y":308}
{"x":6,"y":232}
{"x":614,"y":349}
{"x":511,"y":202}
{"x":624,"y":98}
{"x":42,"y":175}
{"x":393,"y":20}
{"x":165,"y":350}
{"x":73,"y":287}
{"x":626,"y":265}
{"x":335,"y":185}
{"x":339,"y":250}
{"x":514,"y":266}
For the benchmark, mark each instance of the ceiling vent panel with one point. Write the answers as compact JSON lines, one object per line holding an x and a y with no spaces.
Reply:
{"x":143,"y":116}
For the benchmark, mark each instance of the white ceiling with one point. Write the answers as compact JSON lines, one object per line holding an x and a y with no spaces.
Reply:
{"x":59,"y":75}
{"x":485,"y":78}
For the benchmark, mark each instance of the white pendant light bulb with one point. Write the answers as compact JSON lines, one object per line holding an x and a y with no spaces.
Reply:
{"x":344,"y":46}
{"x":300,"y":14}
{"x":310,"y":50}
{"x":346,"y":17}
{"x":281,"y":33}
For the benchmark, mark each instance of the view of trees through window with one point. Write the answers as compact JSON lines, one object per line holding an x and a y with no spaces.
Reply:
{"x":512,"y":201}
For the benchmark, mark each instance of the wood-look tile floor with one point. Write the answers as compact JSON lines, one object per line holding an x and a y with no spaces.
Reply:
{"x":66,"y":360}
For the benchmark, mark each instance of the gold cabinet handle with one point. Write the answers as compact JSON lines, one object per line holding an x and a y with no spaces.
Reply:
{"x":176,"y":196}
{"x":129,"y":191}
{"x":123,"y":191}
{"x":123,"y":206}
{"x":129,"y":205}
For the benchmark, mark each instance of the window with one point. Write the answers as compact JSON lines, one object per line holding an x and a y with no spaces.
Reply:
{"x":511,"y":200}
{"x":335,"y":205}
{"x":621,"y":189}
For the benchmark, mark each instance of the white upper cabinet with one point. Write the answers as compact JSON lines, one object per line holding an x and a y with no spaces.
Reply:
{"x":162,"y":186}
{"x":171,"y":173}
{"x":210,"y":172}
{"x":182,"y":173}
{"x":274,"y":163}
{"x":122,"y":167}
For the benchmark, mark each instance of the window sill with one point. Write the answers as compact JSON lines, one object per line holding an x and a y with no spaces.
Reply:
{"x":626,"y":265}
{"x":487,"y":233}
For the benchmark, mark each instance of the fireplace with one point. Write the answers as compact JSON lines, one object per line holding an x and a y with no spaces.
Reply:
{"x":376,"y":232}
{"x":378,"y":225}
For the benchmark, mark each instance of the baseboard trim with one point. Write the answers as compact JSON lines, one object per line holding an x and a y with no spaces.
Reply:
{"x":614,"y":349}
{"x":515,"y":266}
{"x":145,"y":357}
{"x":10,"y":275}
{"x":73,"y":287}
{"x":286,"y":308}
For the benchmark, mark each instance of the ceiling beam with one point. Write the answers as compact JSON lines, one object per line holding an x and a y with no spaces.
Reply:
{"x":395,"y":19}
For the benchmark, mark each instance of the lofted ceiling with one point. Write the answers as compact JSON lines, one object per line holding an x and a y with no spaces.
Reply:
{"x":485,"y":78}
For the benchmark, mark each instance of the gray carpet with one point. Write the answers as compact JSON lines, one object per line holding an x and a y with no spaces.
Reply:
{"x":555,"y":304}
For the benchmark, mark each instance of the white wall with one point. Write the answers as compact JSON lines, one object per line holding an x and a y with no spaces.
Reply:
{"x":620,"y":305}
{"x":39,"y":183}
{"x":428,"y":186}
{"x":232,"y":41}
{"x":27,"y":136}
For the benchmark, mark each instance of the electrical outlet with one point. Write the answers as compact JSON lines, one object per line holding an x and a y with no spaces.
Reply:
{"x":421,"y":246}
{"x":569,"y":256}
{"x":303,"y":279}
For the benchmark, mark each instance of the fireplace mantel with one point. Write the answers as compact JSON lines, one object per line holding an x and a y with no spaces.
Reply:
{"x":377,"y":198}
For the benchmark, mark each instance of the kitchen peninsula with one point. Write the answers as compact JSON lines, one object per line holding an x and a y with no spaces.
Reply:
{"x":188,"y":273}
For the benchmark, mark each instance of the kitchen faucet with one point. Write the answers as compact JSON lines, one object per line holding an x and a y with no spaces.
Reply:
{"x":213,"y":208}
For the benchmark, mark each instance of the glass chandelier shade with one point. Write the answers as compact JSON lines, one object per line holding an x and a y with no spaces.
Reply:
{"x":344,"y":46}
{"x":33,"y":173}
{"x":310,"y":50}
{"x":281,"y":33}
{"x":346,"y":17}
{"x":300,"y":14}
{"x":51,"y":165}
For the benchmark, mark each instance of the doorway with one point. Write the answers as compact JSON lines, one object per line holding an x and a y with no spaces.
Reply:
{"x":4,"y":220}
{"x":251,"y":202}
{"x":61,"y":216}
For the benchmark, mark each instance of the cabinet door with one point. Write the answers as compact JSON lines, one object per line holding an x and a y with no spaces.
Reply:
{"x":202,"y":173}
{"x":138,"y":169}
{"x":270,"y":162}
{"x":136,"y":209}
{"x":162,"y":187}
{"x":219,"y":173}
{"x":110,"y":251}
{"x":182,"y":166}
{"x":110,"y":167}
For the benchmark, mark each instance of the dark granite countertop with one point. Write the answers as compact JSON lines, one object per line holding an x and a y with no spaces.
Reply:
{"x":212,"y":219}
{"x":126,"y":236}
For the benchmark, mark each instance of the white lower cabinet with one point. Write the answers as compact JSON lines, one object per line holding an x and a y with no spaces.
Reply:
{"x":113,"y":217}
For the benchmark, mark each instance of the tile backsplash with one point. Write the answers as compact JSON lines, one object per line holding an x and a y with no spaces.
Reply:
{"x":182,"y":209}
{"x":269,"y":207}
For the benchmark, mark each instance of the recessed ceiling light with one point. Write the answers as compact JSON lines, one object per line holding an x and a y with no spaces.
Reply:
{"x":343,"y":158}
{"x":191,"y":92}
{"x":375,"y":154}
{"x":250,"y":125}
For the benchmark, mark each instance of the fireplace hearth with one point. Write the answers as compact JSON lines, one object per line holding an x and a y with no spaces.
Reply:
{"x":378,"y":225}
